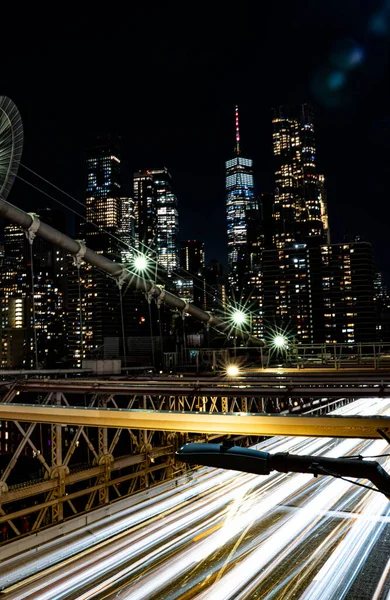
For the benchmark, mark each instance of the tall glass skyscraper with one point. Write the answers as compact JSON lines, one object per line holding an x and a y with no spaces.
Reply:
{"x":93,"y":299}
{"x":126,"y":228}
{"x":145,"y":211}
{"x":103,"y":195}
{"x":168,"y":244}
{"x":241,"y":207}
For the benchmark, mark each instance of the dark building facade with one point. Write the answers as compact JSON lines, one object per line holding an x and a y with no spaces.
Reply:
{"x":33,"y":318}
{"x":192,"y":257}
{"x":348,"y":292}
{"x":321,"y":293}
{"x":192,"y":262}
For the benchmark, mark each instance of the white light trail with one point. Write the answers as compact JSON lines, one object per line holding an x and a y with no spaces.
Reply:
{"x":230,"y":534}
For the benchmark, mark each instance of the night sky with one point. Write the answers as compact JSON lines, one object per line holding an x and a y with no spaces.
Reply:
{"x":167,"y":79}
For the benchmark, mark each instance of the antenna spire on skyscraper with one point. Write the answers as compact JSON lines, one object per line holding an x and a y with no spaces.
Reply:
{"x":237,"y":132}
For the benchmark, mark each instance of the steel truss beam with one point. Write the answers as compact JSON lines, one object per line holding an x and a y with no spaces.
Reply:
{"x":111,"y":472}
{"x":258,"y":389}
{"x":204,"y":422}
{"x":139,"y":452}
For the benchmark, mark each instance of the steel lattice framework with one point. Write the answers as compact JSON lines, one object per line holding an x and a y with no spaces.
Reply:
{"x":120,"y":462}
{"x":88,"y":464}
{"x":11,"y":144}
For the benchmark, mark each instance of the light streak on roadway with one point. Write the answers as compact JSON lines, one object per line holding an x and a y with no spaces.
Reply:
{"x":227,"y":535}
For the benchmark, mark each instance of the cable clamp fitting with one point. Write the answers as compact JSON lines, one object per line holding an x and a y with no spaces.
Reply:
{"x":150,"y":294}
{"x":210,"y":321}
{"x":185,"y":310}
{"x":77,"y":258}
{"x":161,"y":296}
{"x":31,"y":232}
{"x":121,"y":277}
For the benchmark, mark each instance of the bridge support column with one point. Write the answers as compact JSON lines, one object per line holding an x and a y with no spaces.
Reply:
{"x":105,"y":458}
{"x":58,"y":470}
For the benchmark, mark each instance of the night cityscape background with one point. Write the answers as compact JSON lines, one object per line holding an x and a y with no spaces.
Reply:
{"x":202,"y":274}
{"x":170,"y":95}
{"x":168,"y":103}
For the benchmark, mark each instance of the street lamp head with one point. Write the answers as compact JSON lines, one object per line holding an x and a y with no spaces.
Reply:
{"x":279,"y":341}
{"x":232,"y":370}
{"x":141,"y":262}
{"x":239,"y":317}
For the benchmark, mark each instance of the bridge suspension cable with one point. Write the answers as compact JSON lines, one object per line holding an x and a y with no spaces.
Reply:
{"x":118,"y":270}
{"x":143,"y":247}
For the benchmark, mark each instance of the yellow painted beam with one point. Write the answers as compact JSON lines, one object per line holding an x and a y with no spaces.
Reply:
{"x":230,"y":423}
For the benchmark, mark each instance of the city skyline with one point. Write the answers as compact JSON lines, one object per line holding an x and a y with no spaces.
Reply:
{"x":222,"y":251}
{"x":343,"y":75}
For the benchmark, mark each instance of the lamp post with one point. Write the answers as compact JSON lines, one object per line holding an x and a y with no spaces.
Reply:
{"x":142,"y":264}
{"x":239,"y":319}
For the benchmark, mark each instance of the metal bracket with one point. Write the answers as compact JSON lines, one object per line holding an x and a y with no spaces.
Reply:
{"x":120,"y":279}
{"x":184,"y":310}
{"x":384,"y":434}
{"x":161,"y":296}
{"x":31,"y":232}
{"x":77,"y":258}
{"x":209,"y":322}
{"x":149,"y":295}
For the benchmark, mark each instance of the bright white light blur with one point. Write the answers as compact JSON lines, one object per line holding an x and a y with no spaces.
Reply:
{"x":242,"y":513}
{"x":141,"y":263}
{"x":238,"y":317}
{"x":279,"y":341}
{"x":232,"y":370}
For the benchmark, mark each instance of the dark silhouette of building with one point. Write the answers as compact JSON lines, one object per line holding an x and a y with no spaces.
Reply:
{"x":321,"y":293}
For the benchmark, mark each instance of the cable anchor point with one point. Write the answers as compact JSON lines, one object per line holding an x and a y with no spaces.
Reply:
{"x":31,"y":231}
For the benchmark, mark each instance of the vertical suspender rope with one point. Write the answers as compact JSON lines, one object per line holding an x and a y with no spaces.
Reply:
{"x":77,"y":262}
{"x":119,"y":280}
{"x":33,"y":308}
{"x":183,"y":316}
{"x":123,"y":324}
{"x":160,"y":332}
{"x":30,"y":234}
{"x":151,"y":329}
{"x":159,"y":300}
{"x":80,"y":316}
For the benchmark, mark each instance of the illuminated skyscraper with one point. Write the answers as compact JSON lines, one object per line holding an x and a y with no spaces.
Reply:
{"x":192,"y":261}
{"x":15,"y":291}
{"x":168,"y":245}
{"x":192,"y":257}
{"x":300,"y":203}
{"x":348,"y":292}
{"x":324,"y":207}
{"x":22,"y":311}
{"x":145,"y":212}
{"x":93,"y":298}
{"x":103,"y":196}
{"x":241,"y":212}
{"x":126,"y":228}
{"x":320,"y":294}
